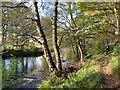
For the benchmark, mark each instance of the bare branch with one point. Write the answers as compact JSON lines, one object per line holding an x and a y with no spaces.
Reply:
{"x":30,"y":19}
{"x":14,"y":6}
{"x":60,"y":41}
{"x":31,"y":37}
{"x":17,"y":6}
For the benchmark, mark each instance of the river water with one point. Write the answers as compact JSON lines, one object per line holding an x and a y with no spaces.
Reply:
{"x":18,"y":67}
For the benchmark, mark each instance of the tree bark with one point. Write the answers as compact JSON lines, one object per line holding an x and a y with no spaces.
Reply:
{"x":81,"y":52}
{"x":55,"y":45}
{"x":117,"y":15}
{"x":78,"y":54}
{"x":43,"y":39}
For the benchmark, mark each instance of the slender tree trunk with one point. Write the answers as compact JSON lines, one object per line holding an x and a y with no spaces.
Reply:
{"x":22,"y":63}
{"x":55,"y":45}
{"x":84,"y":43}
{"x":79,"y":49}
{"x":107,"y":46}
{"x":3,"y":73}
{"x":81,"y":52}
{"x":43,"y":39}
{"x":16,"y":67}
{"x":117,"y":15}
{"x":26,"y":66}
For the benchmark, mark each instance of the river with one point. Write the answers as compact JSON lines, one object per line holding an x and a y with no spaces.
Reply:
{"x":17,"y":71}
{"x":15,"y":68}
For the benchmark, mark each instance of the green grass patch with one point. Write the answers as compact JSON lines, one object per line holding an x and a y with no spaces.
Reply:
{"x":115,"y":67}
{"x":89,"y":76}
{"x":86,"y":77}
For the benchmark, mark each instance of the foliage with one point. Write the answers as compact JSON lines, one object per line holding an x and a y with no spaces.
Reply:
{"x":114,"y":63}
{"x":69,"y":55}
{"x":7,"y":74}
{"x":1,"y":74}
{"x":16,"y":26}
{"x":89,"y":76}
{"x":84,"y":27}
{"x":83,"y":78}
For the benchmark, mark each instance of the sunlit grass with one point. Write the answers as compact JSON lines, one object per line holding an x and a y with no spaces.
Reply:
{"x":88,"y":76}
{"x":0,"y":74}
{"x":113,"y":64}
{"x":95,"y":68}
{"x":0,"y":79}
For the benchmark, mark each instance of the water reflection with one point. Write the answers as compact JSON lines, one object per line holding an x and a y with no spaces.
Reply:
{"x":64,"y":63}
{"x":17,"y":67}
{"x":25,"y":65}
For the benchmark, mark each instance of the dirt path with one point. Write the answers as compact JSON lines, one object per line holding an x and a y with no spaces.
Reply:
{"x":109,"y":80}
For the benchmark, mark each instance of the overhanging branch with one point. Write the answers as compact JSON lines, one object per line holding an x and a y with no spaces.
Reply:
{"x":14,"y":6}
{"x":32,"y":37}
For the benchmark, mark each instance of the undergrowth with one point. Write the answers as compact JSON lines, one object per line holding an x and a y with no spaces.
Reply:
{"x":89,"y":76}
{"x":83,"y":78}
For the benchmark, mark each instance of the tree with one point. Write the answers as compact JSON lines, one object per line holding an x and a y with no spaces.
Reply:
{"x":14,"y":25}
{"x":55,"y":45}
{"x":79,"y":47}
{"x":43,"y":40}
{"x":67,"y":22}
{"x":117,"y":15}
{"x":22,"y":29}
{"x":97,"y":23}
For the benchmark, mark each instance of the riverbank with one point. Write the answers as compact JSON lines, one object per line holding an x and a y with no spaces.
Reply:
{"x":26,"y":72}
{"x":100,"y":71}
{"x":21,"y":53}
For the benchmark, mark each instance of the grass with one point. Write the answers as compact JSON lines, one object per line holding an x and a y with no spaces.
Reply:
{"x":115,"y":67}
{"x":0,"y":80}
{"x":113,"y":64}
{"x":89,"y":76}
